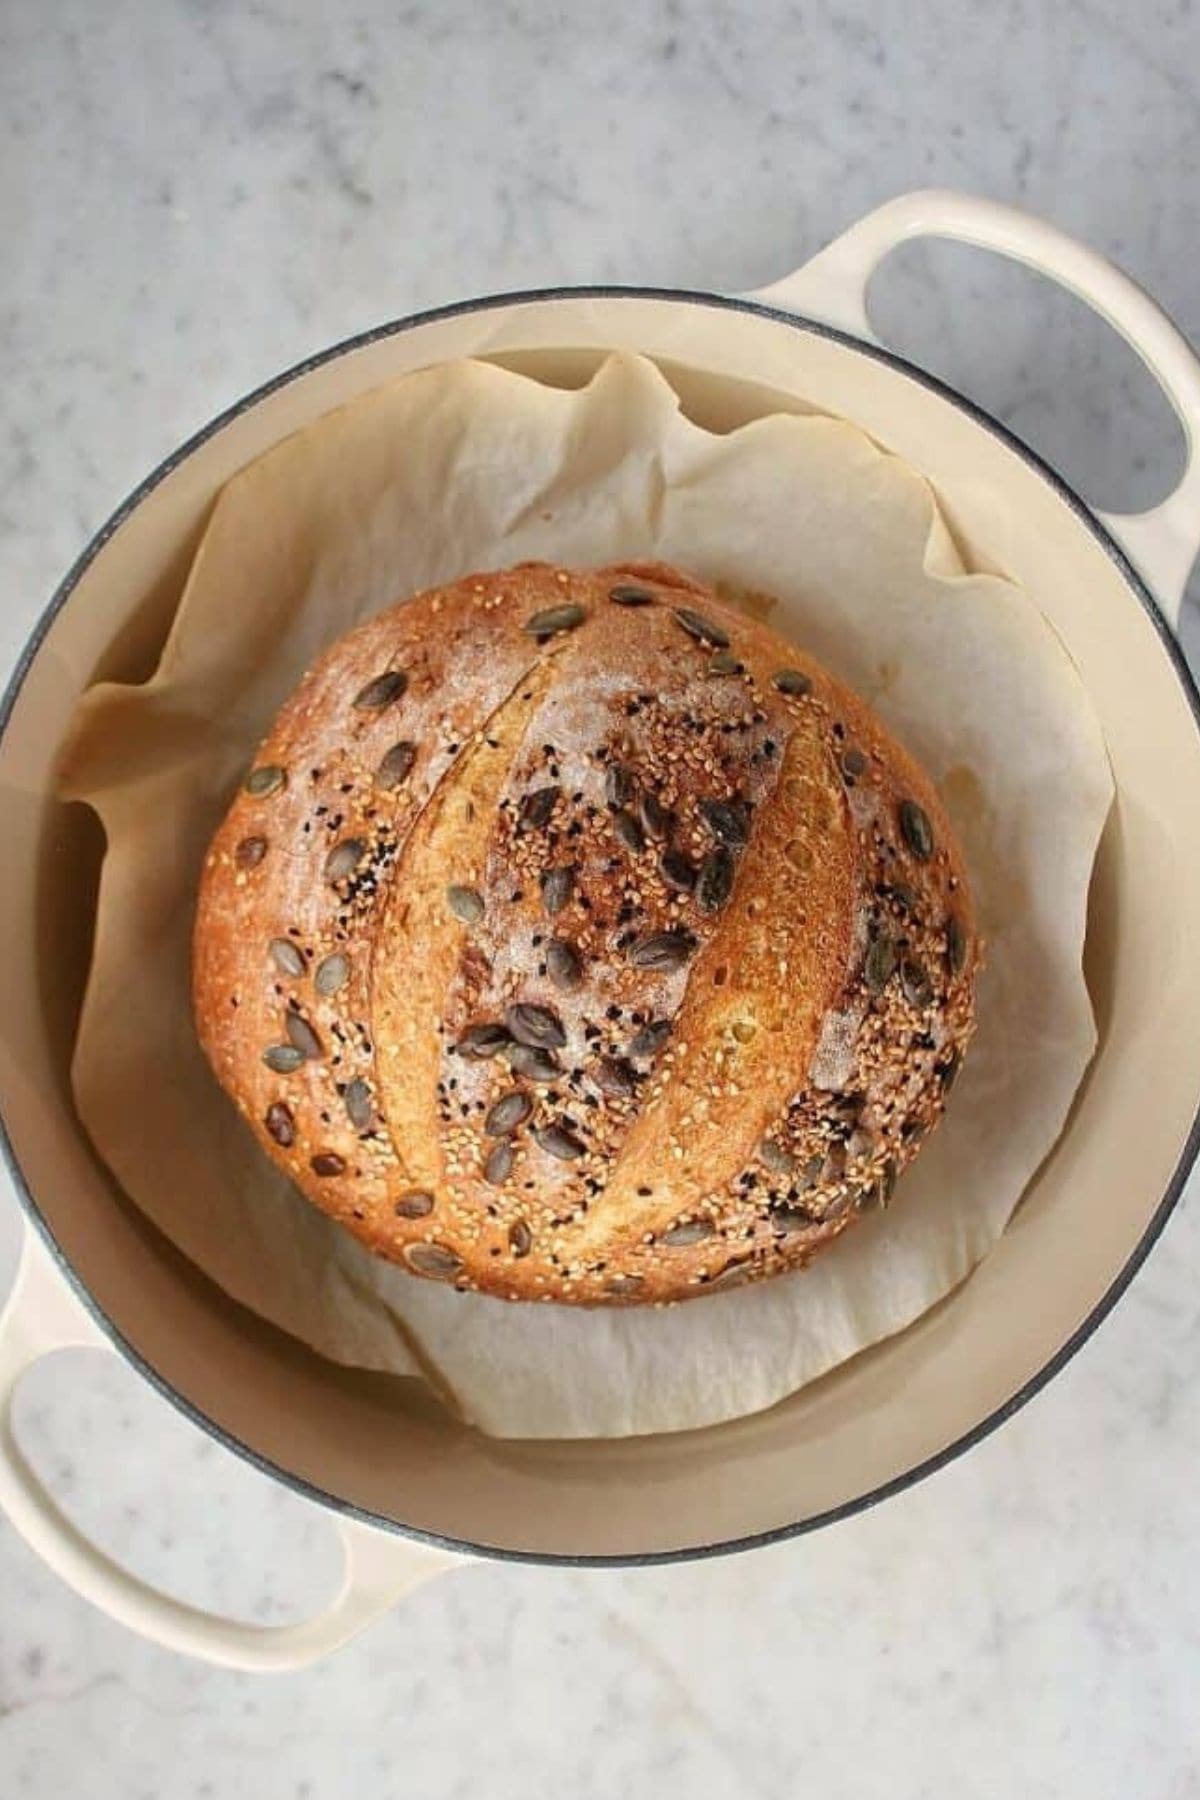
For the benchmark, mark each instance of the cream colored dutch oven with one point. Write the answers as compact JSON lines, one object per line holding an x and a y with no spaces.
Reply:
{"x":413,"y":1491}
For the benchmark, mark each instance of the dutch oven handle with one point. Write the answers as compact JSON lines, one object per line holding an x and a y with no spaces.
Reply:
{"x":42,"y":1316}
{"x":832,"y":287}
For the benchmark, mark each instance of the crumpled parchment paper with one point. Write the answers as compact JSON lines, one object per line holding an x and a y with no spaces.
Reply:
{"x":467,"y":466}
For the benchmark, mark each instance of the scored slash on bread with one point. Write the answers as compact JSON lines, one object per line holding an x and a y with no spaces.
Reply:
{"x":573,"y":937}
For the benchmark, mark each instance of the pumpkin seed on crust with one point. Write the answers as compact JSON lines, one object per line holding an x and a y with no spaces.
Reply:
{"x":381,"y":691}
{"x":286,"y":956}
{"x":552,"y":620}
{"x":916,"y":830}
{"x":266,"y":779}
{"x":466,"y":903}
{"x":332,"y":973}
{"x":702,"y":629}
{"x":437,"y":1262}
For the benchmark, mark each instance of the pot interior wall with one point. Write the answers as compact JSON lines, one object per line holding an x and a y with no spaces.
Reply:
{"x":381,"y":1444}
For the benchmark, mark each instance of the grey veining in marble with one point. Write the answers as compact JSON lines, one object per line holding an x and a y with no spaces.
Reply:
{"x":196,"y":193}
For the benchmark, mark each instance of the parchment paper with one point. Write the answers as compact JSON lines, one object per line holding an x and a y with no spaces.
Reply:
{"x":466,"y":466}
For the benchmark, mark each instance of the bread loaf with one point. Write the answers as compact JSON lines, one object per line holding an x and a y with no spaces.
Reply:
{"x":575,"y":938}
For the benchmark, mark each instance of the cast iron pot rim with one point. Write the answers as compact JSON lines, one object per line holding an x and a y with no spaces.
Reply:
{"x":993,"y":1420}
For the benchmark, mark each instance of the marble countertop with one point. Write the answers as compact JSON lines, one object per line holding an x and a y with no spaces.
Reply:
{"x":196,"y":193}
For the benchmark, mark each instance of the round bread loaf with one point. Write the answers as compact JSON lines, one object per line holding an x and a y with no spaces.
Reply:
{"x":573,"y":937}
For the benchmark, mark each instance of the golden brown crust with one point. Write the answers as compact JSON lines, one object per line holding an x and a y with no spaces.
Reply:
{"x":726,"y":907}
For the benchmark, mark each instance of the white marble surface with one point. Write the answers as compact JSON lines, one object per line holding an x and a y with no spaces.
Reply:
{"x":196,"y":192}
